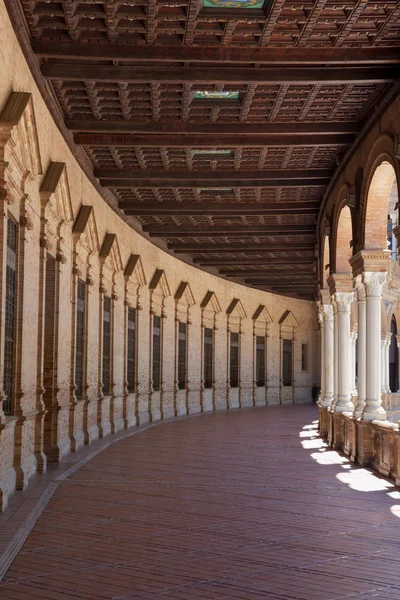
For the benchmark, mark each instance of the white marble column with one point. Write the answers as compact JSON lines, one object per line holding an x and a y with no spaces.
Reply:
{"x":329,"y":355}
{"x":361,"y":310}
{"x":353,"y":341}
{"x":398,"y":361}
{"x":335,"y":353}
{"x":343,"y":302}
{"x":373,"y":282}
{"x":387,"y":362}
{"x":321,"y":319}
{"x":383,"y":365}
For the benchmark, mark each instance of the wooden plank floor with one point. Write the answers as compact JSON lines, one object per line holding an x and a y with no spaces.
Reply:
{"x":245,"y":505}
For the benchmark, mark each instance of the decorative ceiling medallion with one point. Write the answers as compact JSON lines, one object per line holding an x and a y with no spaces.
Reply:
{"x":233,"y":3}
{"x":214,"y":94}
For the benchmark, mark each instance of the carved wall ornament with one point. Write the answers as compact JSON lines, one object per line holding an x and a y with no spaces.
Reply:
{"x":45,"y":243}
{"x":26,"y":221}
{"x":61,"y":258}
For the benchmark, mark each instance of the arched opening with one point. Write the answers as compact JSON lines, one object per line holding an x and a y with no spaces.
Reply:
{"x":380,"y":207}
{"x":393,"y":357}
{"x":393,"y":219}
{"x":326,"y":263}
{"x":344,"y":236}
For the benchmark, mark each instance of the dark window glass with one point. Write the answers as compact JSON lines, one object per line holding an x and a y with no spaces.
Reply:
{"x":287,"y":356}
{"x":208,"y":357}
{"x":80,"y":337}
{"x":156,"y":353}
{"x":106,"y":345}
{"x":234,"y":360}
{"x":304,"y":357}
{"x":182,"y":339}
{"x":260,"y":361}
{"x":131,"y":359}
{"x":10,"y":314}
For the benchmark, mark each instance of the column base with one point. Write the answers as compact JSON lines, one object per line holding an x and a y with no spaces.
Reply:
{"x":371,"y":414}
{"x":344,"y":404}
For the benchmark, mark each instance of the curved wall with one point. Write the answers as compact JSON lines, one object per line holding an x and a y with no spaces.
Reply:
{"x":69,"y":238}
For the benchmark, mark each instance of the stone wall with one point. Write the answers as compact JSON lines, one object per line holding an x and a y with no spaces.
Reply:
{"x":68,"y":234}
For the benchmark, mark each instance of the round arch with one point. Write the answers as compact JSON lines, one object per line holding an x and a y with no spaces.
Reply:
{"x":343,"y":238}
{"x":378,"y":205}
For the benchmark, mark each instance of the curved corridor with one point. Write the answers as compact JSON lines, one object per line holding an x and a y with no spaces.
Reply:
{"x":245,"y":504}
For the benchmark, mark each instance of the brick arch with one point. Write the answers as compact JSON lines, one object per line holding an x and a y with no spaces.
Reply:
{"x":381,"y":171}
{"x":342,"y":233}
{"x":343,"y":237}
{"x":325,"y":260}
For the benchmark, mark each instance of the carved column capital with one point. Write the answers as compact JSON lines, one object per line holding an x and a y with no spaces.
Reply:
{"x":360,"y":288}
{"x":373,"y":282}
{"x":343,"y":301}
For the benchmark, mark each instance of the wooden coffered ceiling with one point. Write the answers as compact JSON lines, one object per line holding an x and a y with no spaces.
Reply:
{"x":235,"y":183}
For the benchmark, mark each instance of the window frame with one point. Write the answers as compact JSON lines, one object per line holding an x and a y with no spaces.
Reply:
{"x":11,"y":342}
{"x":287,"y":363}
{"x":234,"y":378}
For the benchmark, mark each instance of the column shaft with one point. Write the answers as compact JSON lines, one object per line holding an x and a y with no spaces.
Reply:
{"x":373,"y":404}
{"x":335,"y":354}
{"x":361,"y":383}
{"x":343,"y":302}
{"x":329,"y":356}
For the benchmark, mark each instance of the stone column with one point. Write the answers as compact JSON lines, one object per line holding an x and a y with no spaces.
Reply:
{"x":335,"y":353}
{"x":353,"y":340}
{"x":321,"y":319}
{"x":361,"y":309}
{"x":387,"y":362}
{"x":343,"y":302}
{"x":383,"y":365}
{"x":373,"y":409}
{"x":329,"y":355}
{"x":398,"y":360}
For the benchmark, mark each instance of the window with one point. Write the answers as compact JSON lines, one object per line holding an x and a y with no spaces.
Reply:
{"x":182,"y":338}
{"x":304,"y":357}
{"x":234,"y":360}
{"x":10,"y":314}
{"x":106,"y":345}
{"x":260,"y":361}
{"x":208,"y":358}
{"x":156,"y":353}
{"x":49,"y":330}
{"x":287,"y":355}
{"x":80,"y":338}
{"x":131,"y":350}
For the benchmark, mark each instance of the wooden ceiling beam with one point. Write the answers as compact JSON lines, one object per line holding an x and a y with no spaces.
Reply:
{"x":261,"y":273}
{"x":127,"y":140}
{"x":180,"y":127}
{"x":269,"y":280}
{"x":202,"y":248}
{"x":215,"y":176}
{"x":215,"y":54}
{"x":204,"y":75}
{"x":270,"y":261}
{"x":201,"y":180}
{"x":186,"y":231}
{"x":219,"y":209}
